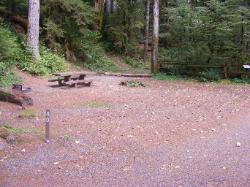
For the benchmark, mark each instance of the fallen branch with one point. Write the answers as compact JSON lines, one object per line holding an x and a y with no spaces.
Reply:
{"x":127,"y":75}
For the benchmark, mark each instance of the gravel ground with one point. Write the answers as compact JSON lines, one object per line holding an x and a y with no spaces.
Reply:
{"x":170,"y":133}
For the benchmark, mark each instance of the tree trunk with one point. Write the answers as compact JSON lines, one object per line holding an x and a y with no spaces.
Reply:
{"x":146,"y":31}
{"x":114,"y":6}
{"x":33,"y":27}
{"x":108,"y":7}
{"x":155,"y":63}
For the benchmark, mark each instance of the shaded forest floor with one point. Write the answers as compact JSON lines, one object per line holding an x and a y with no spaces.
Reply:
{"x":169,"y":133}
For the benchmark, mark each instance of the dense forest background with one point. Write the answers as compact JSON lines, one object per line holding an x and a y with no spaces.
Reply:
{"x":78,"y":31}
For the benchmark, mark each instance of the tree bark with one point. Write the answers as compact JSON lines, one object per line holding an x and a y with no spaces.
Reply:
{"x":114,"y":6}
{"x":155,"y":52}
{"x":33,"y":27}
{"x":146,"y":31}
{"x":108,"y":7}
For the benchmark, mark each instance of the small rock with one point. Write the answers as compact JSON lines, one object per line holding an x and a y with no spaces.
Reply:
{"x":4,"y":158}
{"x":2,"y":144}
{"x":126,"y":168}
{"x":164,"y":167}
{"x":177,"y":167}
{"x":219,"y":117}
{"x":56,"y":163}
{"x":23,"y":150}
{"x":77,"y":142}
{"x":238,"y":144}
{"x":11,"y":139}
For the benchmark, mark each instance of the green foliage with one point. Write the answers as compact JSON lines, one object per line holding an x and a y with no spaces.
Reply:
{"x":210,"y":32}
{"x":9,"y":50}
{"x":165,"y":76}
{"x":209,"y":76}
{"x":134,"y":63}
{"x":132,"y":83}
{"x":95,"y":56}
{"x":70,"y":28}
{"x":7,"y":129}
{"x":135,"y":84}
{"x":122,"y":29}
{"x":27,"y":114}
{"x":96,"y":104}
{"x":65,"y":25}
{"x":240,"y":81}
{"x":49,"y":63}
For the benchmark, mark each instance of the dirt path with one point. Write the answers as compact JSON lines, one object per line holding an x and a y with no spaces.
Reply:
{"x":166,"y":134}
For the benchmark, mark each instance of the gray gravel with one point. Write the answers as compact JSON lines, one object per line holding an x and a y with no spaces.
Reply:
{"x":186,"y":138}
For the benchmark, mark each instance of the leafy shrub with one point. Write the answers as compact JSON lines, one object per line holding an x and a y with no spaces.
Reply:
{"x":95,"y":56}
{"x":27,"y":114}
{"x":133,"y":63}
{"x":135,"y":84}
{"x":9,"y":50}
{"x":209,"y":76}
{"x":49,"y":63}
{"x":240,"y":81}
{"x":132,"y":83}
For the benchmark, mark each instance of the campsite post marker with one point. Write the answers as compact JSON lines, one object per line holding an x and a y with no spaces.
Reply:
{"x":47,"y":124}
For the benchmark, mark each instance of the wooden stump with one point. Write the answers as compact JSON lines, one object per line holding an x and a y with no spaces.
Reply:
{"x":16,"y":97}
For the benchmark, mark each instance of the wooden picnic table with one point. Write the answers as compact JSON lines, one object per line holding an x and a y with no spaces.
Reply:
{"x":70,"y":80}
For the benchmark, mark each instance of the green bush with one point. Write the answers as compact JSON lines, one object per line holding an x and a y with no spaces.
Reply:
{"x":9,"y":50}
{"x":133,"y":63}
{"x":49,"y":63}
{"x":240,"y":81}
{"x":209,"y":76}
{"x":95,"y":56}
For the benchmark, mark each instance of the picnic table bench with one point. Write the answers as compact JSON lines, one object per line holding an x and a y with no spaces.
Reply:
{"x":71,"y":80}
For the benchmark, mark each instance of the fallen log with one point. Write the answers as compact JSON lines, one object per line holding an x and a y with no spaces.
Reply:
{"x":127,"y":75}
{"x":16,"y":97}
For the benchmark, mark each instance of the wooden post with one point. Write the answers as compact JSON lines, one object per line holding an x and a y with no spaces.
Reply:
{"x":47,"y":125}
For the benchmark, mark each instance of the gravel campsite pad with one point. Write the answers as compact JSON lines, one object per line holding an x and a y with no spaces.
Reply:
{"x":167,"y":133}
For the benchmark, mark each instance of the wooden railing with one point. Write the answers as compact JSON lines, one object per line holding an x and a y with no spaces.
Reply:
{"x":227,"y":70}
